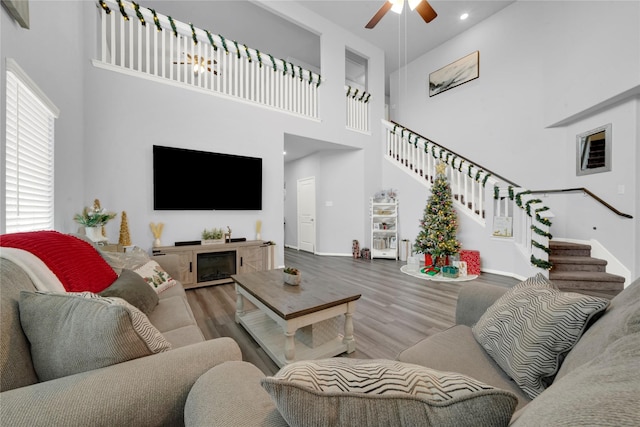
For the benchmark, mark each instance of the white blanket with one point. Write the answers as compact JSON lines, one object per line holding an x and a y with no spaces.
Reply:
{"x":43,"y":278}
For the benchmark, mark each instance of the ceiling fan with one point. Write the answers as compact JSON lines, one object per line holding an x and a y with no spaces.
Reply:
{"x":421,"y":6}
{"x":200,"y":64}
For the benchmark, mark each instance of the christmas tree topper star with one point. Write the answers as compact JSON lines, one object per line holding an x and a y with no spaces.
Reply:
{"x":440,"y":168}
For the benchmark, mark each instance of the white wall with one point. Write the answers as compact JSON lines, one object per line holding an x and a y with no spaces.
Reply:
{"x":125,"y":116}
{"x":55,"y":64}
{"x":548,"y":71}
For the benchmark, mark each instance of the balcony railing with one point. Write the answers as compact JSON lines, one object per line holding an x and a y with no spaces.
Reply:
{"x":135,"y":39}
{"x":357,"y":109}
{"x":476,"y":192}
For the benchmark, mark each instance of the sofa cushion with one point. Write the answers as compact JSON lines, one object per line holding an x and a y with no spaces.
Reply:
{"x":456,"y":350}
{"x":622,"y":317}
{"x":77,"y":332}
{"x":343,"y":391}
{"x":131,"y":259}
{"x":132,"y":288}
{"x":155,"y":276}
{"x":602,"y":392}
{"x":531,"y":327}
{"x":84,"y":271}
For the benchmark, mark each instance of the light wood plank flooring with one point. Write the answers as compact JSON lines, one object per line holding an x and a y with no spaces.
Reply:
{"x":395,"y":311}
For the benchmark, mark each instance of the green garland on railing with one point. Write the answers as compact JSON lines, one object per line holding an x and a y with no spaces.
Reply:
{"x":541,"y":246}
{"x":460,"y":166}
{"x":355,"y":93}
{"x":237,"y":48}
{"x":156,"y":20}
{"x":210,"y":37}
{"x":122,"y":12}
{"x":540,"y":219}
{"x":224,"y":44}
{"x":136,"y":6}
{"x":293,"y":70}
{"x":259,"y":58}
{"x":510,"y":189}
{"x":246,"y":51}
{"x":273,"y":62}
{"x":546,"y":265}
{"x":300,"y":71}
{"x":193,"y":34}
{"x":104,"y":6}
{"x":284,"y":68}
{"x":469,"y":170}
{"x":477,"y":178}
{"x":486,"y":177}
{"x":528,"y":204}
{"x":519,"y":198}
{"x":541,"y":232}
{"x":173,"y":26}
{"x":496,"y":192}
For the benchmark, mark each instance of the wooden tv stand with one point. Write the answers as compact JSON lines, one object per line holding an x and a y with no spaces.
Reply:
{"x":251,"y":255}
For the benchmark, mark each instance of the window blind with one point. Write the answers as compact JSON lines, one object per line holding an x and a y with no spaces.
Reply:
{"x":29,"y":163}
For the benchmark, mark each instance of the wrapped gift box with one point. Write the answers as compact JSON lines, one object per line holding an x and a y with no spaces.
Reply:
{"x":450,"y":271}
{"x":472,"y":258}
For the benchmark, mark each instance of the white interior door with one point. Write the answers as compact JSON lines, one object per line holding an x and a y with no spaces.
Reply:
{"x":307,"y":214}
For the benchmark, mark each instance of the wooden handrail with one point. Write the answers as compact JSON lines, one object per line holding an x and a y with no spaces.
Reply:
{"x":584,"y":190}
{"x":458,"y":155}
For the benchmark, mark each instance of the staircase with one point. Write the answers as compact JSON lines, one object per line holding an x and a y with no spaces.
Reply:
{"x":575,"y":270}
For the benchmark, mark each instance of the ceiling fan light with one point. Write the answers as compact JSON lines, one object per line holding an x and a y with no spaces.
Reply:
{"x":464,"y":16}
{"x":397,"y":6}
{"x":413,"y":4}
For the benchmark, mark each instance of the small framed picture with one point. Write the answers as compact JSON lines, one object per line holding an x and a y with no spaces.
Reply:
{"x":376,"y":226}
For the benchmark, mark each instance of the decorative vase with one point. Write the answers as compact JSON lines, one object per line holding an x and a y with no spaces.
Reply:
{"x":95,"y":234}
{"x":292,"y":279}
{"x":156,"y":242}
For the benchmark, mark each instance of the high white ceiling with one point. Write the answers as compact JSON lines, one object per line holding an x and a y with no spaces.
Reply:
{"x":405,"y":37}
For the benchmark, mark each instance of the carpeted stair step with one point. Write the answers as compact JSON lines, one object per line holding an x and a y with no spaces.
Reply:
{"x":577,"y":263}
{"x":587,"y":280}
{"x":569,"y":249}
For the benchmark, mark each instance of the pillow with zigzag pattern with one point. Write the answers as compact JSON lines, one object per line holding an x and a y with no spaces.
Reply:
{"x":530,"y":329}
{"x":346,"y":392}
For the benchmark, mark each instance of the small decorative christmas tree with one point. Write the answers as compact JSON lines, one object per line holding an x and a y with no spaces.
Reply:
{"x":440,"y":221}
{"x":125,"y":238}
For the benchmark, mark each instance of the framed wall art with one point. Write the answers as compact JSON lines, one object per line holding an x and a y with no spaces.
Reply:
{"x":458,"y":72}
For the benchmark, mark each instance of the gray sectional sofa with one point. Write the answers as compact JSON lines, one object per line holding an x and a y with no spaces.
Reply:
{"x":150,"y":390}
{"x":597,"y":384}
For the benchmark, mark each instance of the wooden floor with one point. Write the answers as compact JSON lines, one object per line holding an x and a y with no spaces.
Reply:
{"x":395,"y":311}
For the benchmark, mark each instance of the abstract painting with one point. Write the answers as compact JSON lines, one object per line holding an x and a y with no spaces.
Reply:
{"x":452,"y":75}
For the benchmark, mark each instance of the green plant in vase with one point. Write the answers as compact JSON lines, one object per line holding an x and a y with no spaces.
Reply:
{"x":214,"y":234}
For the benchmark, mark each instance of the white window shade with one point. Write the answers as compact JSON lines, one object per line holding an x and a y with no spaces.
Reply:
{"x":29,"y":164}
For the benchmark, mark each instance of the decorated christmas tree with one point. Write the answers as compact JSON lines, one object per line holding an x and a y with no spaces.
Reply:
{"x":125,"y":238}
{"x":439,"y":224}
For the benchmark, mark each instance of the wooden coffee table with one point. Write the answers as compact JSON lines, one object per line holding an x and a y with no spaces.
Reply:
{"x":295,"y":322}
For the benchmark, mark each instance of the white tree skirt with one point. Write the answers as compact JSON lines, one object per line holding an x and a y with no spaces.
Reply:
{"x":407,"y":269}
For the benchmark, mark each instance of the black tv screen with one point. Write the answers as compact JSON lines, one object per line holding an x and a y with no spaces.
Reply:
{"x":199,"y":180}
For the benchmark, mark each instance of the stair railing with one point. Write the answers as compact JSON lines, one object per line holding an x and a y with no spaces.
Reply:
{"x":474,"y":189}
{"x":587,"y":192}
{"x":139,"y":41}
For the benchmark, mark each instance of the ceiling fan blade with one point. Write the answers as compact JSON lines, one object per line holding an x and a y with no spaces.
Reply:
{"x":426,"y":11}
{"x":379,"y":14}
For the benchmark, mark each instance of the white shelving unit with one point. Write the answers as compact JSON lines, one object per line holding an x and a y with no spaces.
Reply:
{"x":384,"y":228}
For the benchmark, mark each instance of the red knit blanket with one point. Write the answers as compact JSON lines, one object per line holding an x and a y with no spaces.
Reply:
{"x":76,"y":263}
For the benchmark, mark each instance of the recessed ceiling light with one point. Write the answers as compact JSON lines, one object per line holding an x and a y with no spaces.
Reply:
{"x":464,"y":16}
{"x":284,"y":153}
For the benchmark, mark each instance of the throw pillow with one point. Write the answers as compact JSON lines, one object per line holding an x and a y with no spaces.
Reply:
{"x":132,"y":259}
{"x":78,"y":332}
{"x":132,"y":288}
{"x":76,"y":263}
{"x":343,"y":391}
{"x":155,"y":276}
{"x":529,"y":329}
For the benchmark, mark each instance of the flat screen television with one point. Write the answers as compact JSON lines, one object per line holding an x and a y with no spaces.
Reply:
{"x":199,"y":180}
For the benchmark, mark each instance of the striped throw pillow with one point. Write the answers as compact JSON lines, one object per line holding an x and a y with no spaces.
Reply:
{"x":529,"y":330}
{"x":378,"y":392}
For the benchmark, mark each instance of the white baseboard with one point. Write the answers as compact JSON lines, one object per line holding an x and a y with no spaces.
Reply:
{"x":503,"y":273}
